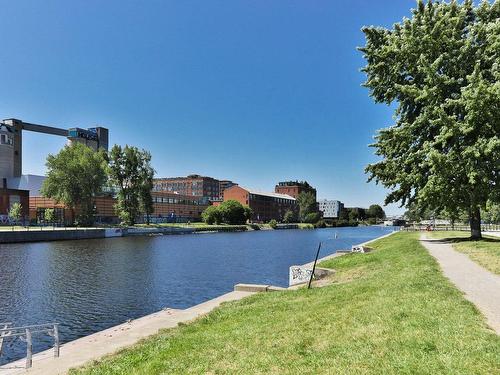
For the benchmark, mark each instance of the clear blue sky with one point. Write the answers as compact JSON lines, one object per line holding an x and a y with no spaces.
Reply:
{"x":252,"y":91}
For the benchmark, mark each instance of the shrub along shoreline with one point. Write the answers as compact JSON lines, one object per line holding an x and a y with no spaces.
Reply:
{"x":389,"y":311}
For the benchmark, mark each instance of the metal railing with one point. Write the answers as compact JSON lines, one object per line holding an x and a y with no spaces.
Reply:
{"x":25,"y":334}
{"x":461,"y":228}
{"x":45,"y":228}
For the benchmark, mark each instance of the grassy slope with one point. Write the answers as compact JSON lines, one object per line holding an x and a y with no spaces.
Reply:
{"x":485,"y":252}
{"x":396,"y":315}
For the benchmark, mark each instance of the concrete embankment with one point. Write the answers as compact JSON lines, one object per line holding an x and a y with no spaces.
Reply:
{"x":40,"y":234}
{"x":50,"y":235}
{"x":81,"y":351}
{"x":61,"y":234}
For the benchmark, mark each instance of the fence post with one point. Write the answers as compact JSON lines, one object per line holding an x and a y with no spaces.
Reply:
{"x":56,"y":341}
{"x":29,"y":349}
{"x":314,"y":267}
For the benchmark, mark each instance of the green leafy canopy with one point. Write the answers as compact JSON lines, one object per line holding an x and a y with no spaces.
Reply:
{"x":74,"y":176}
{"x":130,"y":171}
{"x":441,"y":68}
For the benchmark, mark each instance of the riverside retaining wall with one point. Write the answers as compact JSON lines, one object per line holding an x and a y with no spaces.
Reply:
{"x":50,"y":235}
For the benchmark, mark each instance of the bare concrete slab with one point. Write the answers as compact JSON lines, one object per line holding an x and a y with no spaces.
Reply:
{"x":257,"y":288}
{"x":479,"y":285}
{"x":251,"y":288}
{"x":81,"y":351}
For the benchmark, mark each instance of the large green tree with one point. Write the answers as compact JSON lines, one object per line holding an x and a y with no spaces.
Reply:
{"x":233,"y":212}
{"x":375,"y":211}
{"x":228,"y":212}
{"x":212,"y":215}
{"x":307,"y":205}
{"x":74,"y":177}
{"x":441,"y":68}
{"x":131,"y":173}
{"x":146,"y":186}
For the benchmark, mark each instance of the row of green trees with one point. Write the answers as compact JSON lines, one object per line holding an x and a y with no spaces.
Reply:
{"x":489,"y":214}
{"x":373,"y":213}
{"x":228,"y":212}
{"x":77,"y":174}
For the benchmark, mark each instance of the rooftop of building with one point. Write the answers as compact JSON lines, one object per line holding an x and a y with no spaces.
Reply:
{"x":268,"y":194}
{"x":304,"y":184}
{"x":30,"y":182}
{"x":188,"y":177}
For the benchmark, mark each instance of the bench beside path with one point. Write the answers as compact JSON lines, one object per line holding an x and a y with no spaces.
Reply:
{"x":480,"y":286}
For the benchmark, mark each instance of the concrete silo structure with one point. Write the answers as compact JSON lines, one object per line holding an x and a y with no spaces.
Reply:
{"x":6,"y":151}
{"x":14,"y":187}
{"x":93,"y":137}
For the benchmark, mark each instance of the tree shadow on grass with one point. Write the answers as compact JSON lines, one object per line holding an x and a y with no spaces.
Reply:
{"x":466,"y":239}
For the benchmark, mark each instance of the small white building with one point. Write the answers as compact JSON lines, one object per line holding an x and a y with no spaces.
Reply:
{"x":330,"y":208}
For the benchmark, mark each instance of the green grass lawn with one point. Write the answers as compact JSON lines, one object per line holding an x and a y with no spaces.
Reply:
{"x":387,"y":312}
{"x":485,"y":252}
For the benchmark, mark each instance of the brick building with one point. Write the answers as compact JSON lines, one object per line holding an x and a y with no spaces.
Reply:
{"x":172,"y":206}
{"x":294,"y":188}
{"x":265,"y":206}
{"x":193,"y":185}
{"x":223,"y":185}
{"x":10,"y":196}
{"x":167,"y":207}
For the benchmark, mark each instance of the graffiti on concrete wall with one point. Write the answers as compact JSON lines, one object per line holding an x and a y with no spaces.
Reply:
{"x":299,"y":275}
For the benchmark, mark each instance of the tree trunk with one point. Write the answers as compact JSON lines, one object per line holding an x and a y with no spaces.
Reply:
{"x":475,"y":223}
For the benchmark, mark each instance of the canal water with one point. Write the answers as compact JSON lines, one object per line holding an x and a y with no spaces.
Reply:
{"x":91,"y":285}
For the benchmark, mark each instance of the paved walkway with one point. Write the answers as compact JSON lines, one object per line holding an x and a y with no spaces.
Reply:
{"x":494,"y":234}
{"x":480,"y":286}
{"x":78,"y":352}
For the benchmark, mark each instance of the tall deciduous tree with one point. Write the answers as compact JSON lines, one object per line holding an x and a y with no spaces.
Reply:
{"x":212,"y":215}
{"x":307,"y":204}
{"x":75,"y":176}
{"x":492,"y":213}
{"x":233,"y":212}
{"x":442,"y":69}
{"x":145,"y":197}
{"x":375,"y":211}
{"x":131,"y":173}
